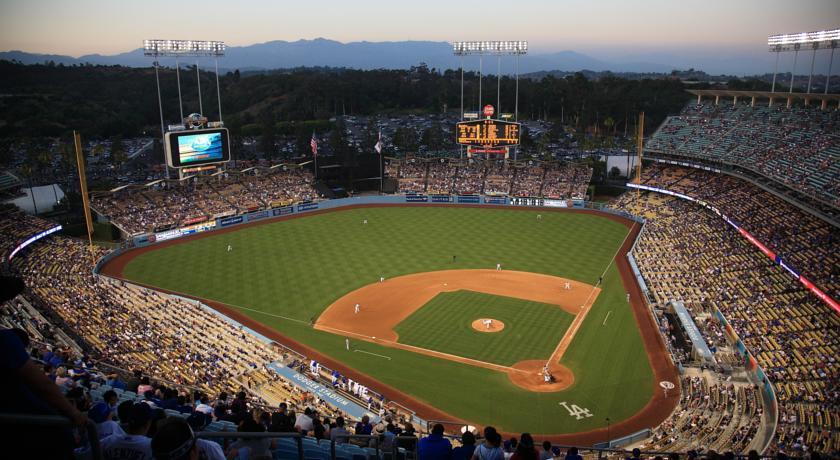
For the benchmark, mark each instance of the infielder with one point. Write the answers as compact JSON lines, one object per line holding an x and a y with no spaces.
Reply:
{"x":498,"y":266}
{"x":381,"y":279}
{"x":567,"y":285}
{"x":487,"y":323}
{"x":356,"y":309}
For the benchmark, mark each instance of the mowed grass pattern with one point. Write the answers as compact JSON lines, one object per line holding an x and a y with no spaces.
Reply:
{"x":283,"y":274}
{"x":532,"y":329}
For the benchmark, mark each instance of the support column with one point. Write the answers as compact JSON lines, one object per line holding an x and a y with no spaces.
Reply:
{"x":811,"y":73}
{"x":789,"y":102}
{"x":717,"y":100}
{"x":735,"y":100}
{"x":793,"y":72}
{"x":699,"y":97}
{"x":824,"y":104}
{"x":775,"y":71}
{"x":752,"y":102}
{"x":828,"y":75}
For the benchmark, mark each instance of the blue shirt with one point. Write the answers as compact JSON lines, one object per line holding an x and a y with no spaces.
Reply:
{"x":434,"y":447}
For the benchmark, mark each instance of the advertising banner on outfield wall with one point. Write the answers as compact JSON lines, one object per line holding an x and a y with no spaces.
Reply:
{"x":307,"y":206}
{"x":230,"y":221}
{"x":495,"y":200}
{"x":257,"y":215}
{"x":416,"y":198}
{"x":441,"y":199}
{"x":284,"y":211}
{"x":469,"y":199}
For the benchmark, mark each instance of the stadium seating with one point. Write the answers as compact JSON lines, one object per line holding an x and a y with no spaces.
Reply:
{"x":797,"y":146}
{"x":687,"y":253}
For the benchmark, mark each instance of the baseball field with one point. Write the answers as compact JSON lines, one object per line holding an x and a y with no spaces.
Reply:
{"x":425,"y":278}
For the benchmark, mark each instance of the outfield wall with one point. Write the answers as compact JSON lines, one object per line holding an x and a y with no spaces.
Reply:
{"x":309,"y":206}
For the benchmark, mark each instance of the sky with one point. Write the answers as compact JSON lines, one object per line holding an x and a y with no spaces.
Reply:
{"x":606,"y":29}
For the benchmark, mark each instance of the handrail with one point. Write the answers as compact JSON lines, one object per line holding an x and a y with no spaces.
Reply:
{"x":56,"y":421}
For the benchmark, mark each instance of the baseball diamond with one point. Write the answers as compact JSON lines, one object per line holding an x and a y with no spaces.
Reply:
{"x":289,"y":270}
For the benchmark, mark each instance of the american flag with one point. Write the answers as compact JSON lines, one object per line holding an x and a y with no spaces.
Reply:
{"x":313,"y":143}
{"x":378,"y":146}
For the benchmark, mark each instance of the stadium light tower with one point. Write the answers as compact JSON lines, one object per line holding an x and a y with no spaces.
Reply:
{"x":822,"y":39}
{"x":184,"y":48}
{"x":491,"y":48}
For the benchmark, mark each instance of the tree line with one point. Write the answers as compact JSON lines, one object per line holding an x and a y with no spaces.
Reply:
{"x":107,"y":101}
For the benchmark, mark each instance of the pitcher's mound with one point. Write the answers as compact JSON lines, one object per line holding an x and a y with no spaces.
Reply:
{"x":482,"y":325}
{"x":529,"y":375}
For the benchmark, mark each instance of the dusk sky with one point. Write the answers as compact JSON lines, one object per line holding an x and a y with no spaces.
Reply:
{"x":605,"y":28}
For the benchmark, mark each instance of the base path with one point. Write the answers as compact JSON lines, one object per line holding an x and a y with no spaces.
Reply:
{"x":652,"y":414}
{"x":384,"y":305}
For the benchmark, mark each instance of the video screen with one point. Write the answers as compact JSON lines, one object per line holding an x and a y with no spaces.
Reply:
{"x":194,"y":148}
{"x":200,"y":148}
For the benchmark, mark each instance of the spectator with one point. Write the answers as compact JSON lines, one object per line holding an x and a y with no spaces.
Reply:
{"x":572,"y":454}
{"x":102,"y":415}
{"x":546,"y":453}
{"x":525,"y":449}
{"x":304,"y":423}
{"x":339,"y":433}
{"x":491,"y":448}
{"x":467,"y":447}
{"x":434,"y":446}
{"x":281,"y":422}
{"x":175,"y":440}
{"x":25,"y":389}
{"x":134,"y":443}
{"x":259,"y":448}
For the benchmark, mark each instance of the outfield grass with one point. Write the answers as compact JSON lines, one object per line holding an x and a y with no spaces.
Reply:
{"x":284,"y":274}
{"x":445,"y":324}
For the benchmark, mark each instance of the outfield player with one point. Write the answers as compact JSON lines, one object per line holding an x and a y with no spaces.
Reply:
{"x":230,"y":248}
{"x":539,"y":216}
{"x":628,"y":297}
{"x":364,"y":222}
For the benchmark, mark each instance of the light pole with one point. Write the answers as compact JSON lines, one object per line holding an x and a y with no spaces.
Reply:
{"x":491,"y":48}
{"x":821,"y":39}
{"x":156,"y":48}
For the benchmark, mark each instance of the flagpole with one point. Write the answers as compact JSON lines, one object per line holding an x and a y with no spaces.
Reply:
{"x":379,"y":145}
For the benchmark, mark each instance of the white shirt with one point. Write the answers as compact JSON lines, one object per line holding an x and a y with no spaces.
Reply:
{"x":107,"y":428}
{"x":209,"y":450}
{"x":304,"y":422}
{"x":126,"y":447}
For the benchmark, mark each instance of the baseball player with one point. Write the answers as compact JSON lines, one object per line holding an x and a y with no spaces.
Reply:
{"x":567,"y":285}
{"x":364,"y":222}
{"x":230,"y":248}
{"x":356,"y":309}
{"x":539,"y":216}
{"x":498,"y":266}
{"x":381,"y":279}
{"x":628,"y":297}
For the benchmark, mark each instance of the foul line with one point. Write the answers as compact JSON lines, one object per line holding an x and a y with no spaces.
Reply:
{"x":573,"y":328}
{"x":374,"y":354}
{"x":203,"y":300}
{"x":422,"y":351}
{"x":606,"y":318}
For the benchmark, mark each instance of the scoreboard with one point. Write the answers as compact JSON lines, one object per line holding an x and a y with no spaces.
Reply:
{"x":488,"y":133}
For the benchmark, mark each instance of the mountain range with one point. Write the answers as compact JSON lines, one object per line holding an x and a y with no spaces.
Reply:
{"x":366,"y":55}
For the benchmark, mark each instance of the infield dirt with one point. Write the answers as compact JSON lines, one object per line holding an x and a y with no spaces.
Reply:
{"x":653,"y":413}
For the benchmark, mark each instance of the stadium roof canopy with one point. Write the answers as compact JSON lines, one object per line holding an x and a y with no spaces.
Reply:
{"x":764,"y":95}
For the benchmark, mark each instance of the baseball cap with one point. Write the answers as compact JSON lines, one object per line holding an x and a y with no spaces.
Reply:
{"x":99,"y":412}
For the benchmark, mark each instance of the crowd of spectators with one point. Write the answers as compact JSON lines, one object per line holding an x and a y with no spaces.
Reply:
{"x":712,"y":415}
{"x":688,"y":253}
{"x":797,"y":146}
{"x":491,"y":177}
{"x":167,"y":203}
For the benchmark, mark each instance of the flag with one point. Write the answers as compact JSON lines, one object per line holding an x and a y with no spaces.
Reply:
{"x":313,"y":143}
{"x":378,"y":146}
